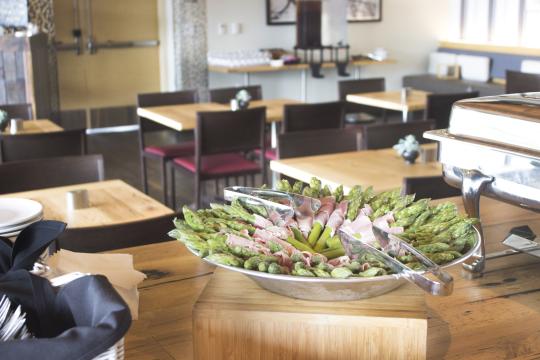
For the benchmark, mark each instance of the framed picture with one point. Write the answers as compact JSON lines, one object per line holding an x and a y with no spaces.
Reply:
{"x":283,"y":12}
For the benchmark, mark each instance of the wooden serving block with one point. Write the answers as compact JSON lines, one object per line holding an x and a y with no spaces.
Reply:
{"x":234,"y":318}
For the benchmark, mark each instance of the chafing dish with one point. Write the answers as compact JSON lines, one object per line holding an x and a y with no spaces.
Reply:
{"x":492,"y":148}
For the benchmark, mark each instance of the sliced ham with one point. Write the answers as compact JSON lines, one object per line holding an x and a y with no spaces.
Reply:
{"x":340,"y":261}
{"x":233,"y":241}
{"x":261,"y":222}
{"x":284,"y":259}
{"x":338,"y":215}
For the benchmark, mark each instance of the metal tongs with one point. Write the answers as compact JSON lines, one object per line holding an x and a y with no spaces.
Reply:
{"x":392,"y":246}
{"x":286,"y":205}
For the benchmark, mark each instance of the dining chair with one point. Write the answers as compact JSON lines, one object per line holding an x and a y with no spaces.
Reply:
{"x":161,"y":153}
{"x":520,"y":82}
{"x":381,"y":136}
{"x":439,"y":107}
{"x":224,"y":95}
{"x":317,"y":116}
{"x":433,"y":187}
{"x":118,"y":236}
{"x":221,"y":139}
{"x":317,"y":142}
{"x":52,"y":172}
{"x":42,"y":145}
{"x":356,"y":113}
{"x":18,"y":111}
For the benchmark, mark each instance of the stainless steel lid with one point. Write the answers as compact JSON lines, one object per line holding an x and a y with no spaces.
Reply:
{"x":512,"y":119}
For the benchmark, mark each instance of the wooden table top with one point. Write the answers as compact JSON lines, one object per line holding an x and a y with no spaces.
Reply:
{"x":383,"y":169}
{"x":111,"y":202}
{"x":184,"y":117}
{"x":36,"y":127}
{"x":493,"y":317}
{"x":391,"y":100}
{"x":269,"y":68}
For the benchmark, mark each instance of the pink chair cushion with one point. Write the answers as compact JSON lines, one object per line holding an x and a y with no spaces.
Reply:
{"x":170,"y":151}
{"x":269,"y":154}
{"x":220,"y":164}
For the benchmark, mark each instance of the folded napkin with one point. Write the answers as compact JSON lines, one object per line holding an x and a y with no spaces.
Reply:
{"x":118,"y":268}
{"x":78,"y":321}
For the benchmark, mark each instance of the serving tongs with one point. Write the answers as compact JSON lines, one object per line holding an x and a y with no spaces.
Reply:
{"x":392,"y":246}
{"x":286,"y":205}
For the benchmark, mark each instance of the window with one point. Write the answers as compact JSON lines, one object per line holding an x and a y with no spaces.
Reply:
{"x":531,"y":23}
{"x":502,"y":22}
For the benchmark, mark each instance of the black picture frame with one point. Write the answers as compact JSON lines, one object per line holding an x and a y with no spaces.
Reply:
{"x":273,"y":22}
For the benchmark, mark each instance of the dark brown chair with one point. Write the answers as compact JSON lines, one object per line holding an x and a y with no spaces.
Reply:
{"x":381,"y":136}
{"x":162,"y":153}
{"x":319,"y":116}
{"x":519,"y":82}
{"x":112,"y":237}
{"x":43,"y":145}
{"x":18,"y":111}
{"x":356,"y":112}
{"x":52,"y":172}
{"x":433,"y":187}
{"x":221,"y":138}
{"x":224,"y":95}
{"x":439,"y":107}
{"x":318,"y":142}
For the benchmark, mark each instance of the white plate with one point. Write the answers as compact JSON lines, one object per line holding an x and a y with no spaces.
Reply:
{"x":15,"y":211}
{"x":20,"y":227}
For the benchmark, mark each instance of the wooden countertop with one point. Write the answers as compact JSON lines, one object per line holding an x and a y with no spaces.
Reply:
{"x":184,"y":117}
{"x":391,"y":100}
{"x":268,"y":68}
{"x":383,"y":169}
{"x":36,"y":127}
{"x":493,"y":317}
{"x":111,"y":202}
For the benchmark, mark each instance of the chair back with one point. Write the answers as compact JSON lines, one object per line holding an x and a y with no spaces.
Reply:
{"x":112,"y":237}
{"x":220,"y":132}
{"x":519,"y":82}
{"x":347,"y":87}
{"x":167,"y":98}
{"x":319,"y":116}
{"x":439,"y":107}
{"x":45,"y":173}
{"x":433,"y":187}
{"x":43,"y":145}
{"x":18,"y":111}
{"x":224,"y":95}
{"x":317,"y":142}
{"x":161,"y":99}
{"x":382,"y":136}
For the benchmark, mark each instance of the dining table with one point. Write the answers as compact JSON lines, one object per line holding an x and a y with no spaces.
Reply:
{"x":383,"y":169}
{"x":496,"y":316}
{"x":184,"y":117}
{"x":38,"y":126}
{"x":111,"y":202}
{"x":416,"y":100}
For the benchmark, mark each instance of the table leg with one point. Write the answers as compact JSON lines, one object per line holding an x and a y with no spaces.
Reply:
{"x":357,"y":72}
{"x":406,"y":115}
{"x":246,"y":79}
{"x":303,"y":86}
{"x":273,"y":134}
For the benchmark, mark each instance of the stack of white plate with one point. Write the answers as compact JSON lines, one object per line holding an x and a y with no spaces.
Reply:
{"x":16,"y":214}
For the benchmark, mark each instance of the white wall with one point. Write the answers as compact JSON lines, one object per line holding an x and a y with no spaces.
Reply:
{"x":409,"y":31}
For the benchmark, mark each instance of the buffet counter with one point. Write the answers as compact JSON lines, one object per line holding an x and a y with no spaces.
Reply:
{"x":496,"y":316}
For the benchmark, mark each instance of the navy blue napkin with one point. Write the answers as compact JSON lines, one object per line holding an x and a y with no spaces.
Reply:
{"x":79,"y":321}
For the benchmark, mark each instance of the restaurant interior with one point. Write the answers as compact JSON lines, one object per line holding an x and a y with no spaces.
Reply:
{"x":269,"y":179}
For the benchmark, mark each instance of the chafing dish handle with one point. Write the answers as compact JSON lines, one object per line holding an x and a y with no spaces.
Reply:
{"x":472,"y":185}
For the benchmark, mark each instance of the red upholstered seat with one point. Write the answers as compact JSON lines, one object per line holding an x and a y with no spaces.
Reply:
{"x":171,"y":151}
{"x":220,"y":164}
{"x":269,"y":154}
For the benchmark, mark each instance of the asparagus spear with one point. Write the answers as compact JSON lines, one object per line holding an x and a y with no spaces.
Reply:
{"x":333,"y":253}
{"x":321,"y":218}
{"x":284,"y":185}
{"x":299,"y":245}
{"x":333,"y":223}
{"x":341,"y":273}
{"x":226,"y":259}
{"x":193,"y":220}
{"x":297,"y":187}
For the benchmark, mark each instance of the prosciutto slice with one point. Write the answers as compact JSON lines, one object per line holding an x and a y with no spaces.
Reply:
{"x":338,"y":216}
{"x":261,"y":222}
{"x":233,"y":241}
{"x":264,"y":237}
{"x":327,"y":207}
{"x":342,"y":260}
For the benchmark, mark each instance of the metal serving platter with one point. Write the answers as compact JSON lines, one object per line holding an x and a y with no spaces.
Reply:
{"x":326,"y":289}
